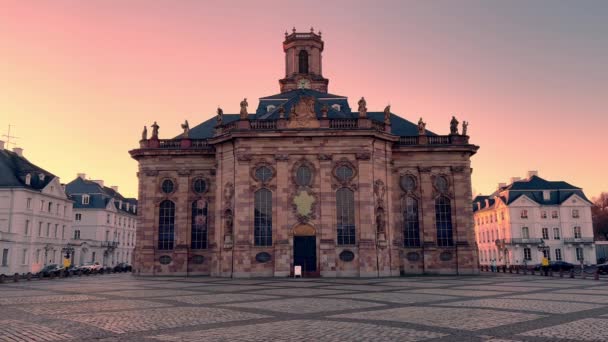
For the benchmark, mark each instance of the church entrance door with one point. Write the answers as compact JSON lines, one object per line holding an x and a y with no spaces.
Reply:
{"x":305,"y":253}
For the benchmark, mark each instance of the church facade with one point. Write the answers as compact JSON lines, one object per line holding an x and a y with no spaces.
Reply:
{"x":305,"y":181}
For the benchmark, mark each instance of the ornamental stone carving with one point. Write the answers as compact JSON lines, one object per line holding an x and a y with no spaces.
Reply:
{"x":228,"y":215}
{"x":363,"y":156}
{"x":454,"y":126}
{"x":243,"y":113}
{"x":244,"y":157}
{"x":155,"y":128}
{"x":303,"y":204}
{"x":144,"y":134}
{"x":324,"y":157}
{"x":281,"y":157}
{"x":186,"y":128}
{"x":303,"y":114}
{"x":362,"y":108}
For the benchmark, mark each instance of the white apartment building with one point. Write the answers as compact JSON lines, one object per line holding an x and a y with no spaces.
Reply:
{"x":35,"y":215}
{"x":527,"y":219}
{"x":104,"y":223}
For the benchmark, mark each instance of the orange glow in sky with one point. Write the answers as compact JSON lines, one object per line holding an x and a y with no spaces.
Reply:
{"x":80,"y":79}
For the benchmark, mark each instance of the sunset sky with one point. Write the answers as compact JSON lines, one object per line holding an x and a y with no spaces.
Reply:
{"x":80,"y":79}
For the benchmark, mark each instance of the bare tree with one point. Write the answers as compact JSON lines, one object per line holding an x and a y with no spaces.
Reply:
{"x":599,"y":212}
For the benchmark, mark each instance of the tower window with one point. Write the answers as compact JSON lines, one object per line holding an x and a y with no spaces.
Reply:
{"x":303,"y":62}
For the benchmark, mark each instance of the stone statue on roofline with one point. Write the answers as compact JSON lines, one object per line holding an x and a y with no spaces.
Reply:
{"x":281,"y":112}
{"x":421,"y":127}
{"x":454,"y":126}
{"x":155,"y":131}
{"x":362,"y":107}
{"x":465,"y":125}
{"x":244,"y":105}
{"x":220,"y":115}
{"x":186,"y":128}
{"x":387,"y":114}
{"x":144,"y":134}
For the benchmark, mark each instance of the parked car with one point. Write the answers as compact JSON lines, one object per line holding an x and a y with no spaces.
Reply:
{"x":556,"y":266}
{"x":74,"y":269}
{"x":122,"y":267}
{"x":602,"y":268}
{"x":92,"y":267}
{"x":51,"y":269}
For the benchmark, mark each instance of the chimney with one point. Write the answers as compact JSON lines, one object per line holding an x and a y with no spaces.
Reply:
{"x":82,"y":175}
{"x":18,"y":151}
{"x":98,"y":181}
{"x":114,"y":187}
{"x":515,"y":179}
{"x":532,"y":173}
{"x":1,"y":145}
{"x":501,"y":185}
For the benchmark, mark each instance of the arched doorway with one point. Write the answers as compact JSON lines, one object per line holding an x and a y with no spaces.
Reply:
{"x":305,"y":248}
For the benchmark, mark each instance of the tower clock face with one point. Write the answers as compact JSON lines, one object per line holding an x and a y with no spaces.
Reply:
{"x":304,"y":83}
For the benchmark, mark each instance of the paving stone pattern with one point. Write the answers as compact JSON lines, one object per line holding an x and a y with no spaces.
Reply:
{"x":486,"y":308}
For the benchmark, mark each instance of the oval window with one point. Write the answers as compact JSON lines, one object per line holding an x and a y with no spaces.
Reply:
{"x":347,"y":256}
{"x":167,"y":186}
{"x":263,"y":257}
{"x":408,"y":183}
{"x":165,"y":260}
{"x":441,"y":183}
{"x":199,"y":185}
{"x":198,"y":259}
{"x":344,"y":173}
{"x":263,"y":174}
{"x":303,"y":176}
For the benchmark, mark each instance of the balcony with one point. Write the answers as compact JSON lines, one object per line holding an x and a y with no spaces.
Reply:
{"x":109,"y":244}
{"x":579,"y":241}
{"x":520,"y":241}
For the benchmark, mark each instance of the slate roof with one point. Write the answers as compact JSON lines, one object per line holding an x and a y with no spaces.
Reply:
{"x":14,"y":169}
{"x":532,"y":188}
{"x":399,"y":125}
{"x":99,"y":196}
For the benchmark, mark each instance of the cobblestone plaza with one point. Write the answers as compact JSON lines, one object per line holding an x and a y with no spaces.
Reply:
{"x":442,"y":308}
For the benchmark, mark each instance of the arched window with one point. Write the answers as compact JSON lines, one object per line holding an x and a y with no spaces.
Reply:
{"x":303,"y":175}
{"x":411,"y":225}
{"x":263,"y":218}
{"x":199,"y":225}
{"x":166,"y":225}
{"x":345,"y":208}
{"x":303,"y":62}
{"x":443,"y":221}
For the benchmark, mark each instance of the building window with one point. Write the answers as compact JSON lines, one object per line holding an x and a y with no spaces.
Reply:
{"x":545,"y":232}
{"x":336,"y":107}
{"x":24,"y":257}
{"x":345,"y":210}
{"x":558,"y":254}
{"x":263,"y":174}
{"x":575,"y":213}
{"x":77,"y":234}
{"x":262,"y":216}
{"x":303,"y":176}
{"x":411,"y":225}
{"x":554,"y":214}
{"x":441,"y":183}
{"x":543,"y":214}
{"x":48,"y":229}
{"x":5,"y":257}
{"x":108,"y":218}
{"x":55,"y":231}
{"x":41,"y":205}
{"x":344,"y":173}
{"x":166,"y":225}
{"x":546,"y":195}
{"x":527,"y":254}
{"x":27,"y":227}
{"x":39,"y":228}
{"x":577,"y":233}
{"x":57,"y":210}
{"x":525,"y":233}
{"x":93,"y":257}
{"x":443,"y":221}
{"x":579,"y":254}
{"x":407,"y":183}
{"x":85,"y":199}
{"x":167,"y":186}
{"x":78,"y":216}
{"x":199,"y":186}
{"x":38,"y":256}
{"x":199,"y":225}
{"x":303,"y":62}
{"x":29,"y":203}
{"x":524,"y":214}
{"x":547,"y":253}
{"x":556,"y":234}
{"x":502,"y":215}
{"x":63,"y":232}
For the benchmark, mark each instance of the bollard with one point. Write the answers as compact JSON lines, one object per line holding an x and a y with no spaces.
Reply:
{"x":561,"y":273}
{"x":16,"y":277}
{"x":571,"y":273}
{"x":2,"y":278}
{"x":511,"y":269}
{"x":596,"y":275}
{"x":583,"y":274}
{"x":504,"y":268}
{"x":28,"y":276}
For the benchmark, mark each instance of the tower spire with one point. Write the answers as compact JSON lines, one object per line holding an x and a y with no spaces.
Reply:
{"x":303,"y":62}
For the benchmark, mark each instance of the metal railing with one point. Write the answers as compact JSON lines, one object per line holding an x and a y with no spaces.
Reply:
{"x":582,"y":240}
{"x":111,"y":244}
{"x":520,"y":241}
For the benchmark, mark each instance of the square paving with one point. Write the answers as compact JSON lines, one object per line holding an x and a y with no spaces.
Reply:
{"x":484,"y":308}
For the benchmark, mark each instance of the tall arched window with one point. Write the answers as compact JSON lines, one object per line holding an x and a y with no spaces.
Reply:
{"x":345,"y":209}
{"x":303,"y":62}
{"x":443,"y":221}
{"x":166,"y":225}
{"x":263,"y":218}
{"x":411,"y":225}
{"x":199,"y":225}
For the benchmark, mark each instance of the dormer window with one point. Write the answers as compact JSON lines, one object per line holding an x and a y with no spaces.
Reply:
{"x":127,"y":206}
{"x":270,"y":108}
{"x":119,"y":204}
{"x":28,"y":179}
{"x":336,"y":107}
{"x":85,"y":199}
{"x":575,"y":213}
{"x":134,"y":208}
{"x":546,"y":195}
{"x":524,"y":214}
{"x":41,"y":177}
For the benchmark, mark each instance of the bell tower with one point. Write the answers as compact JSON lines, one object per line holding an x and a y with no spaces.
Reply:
{"x":303,"y":62}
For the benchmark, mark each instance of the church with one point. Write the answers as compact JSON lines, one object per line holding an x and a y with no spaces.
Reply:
{"x":305,"y":182}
